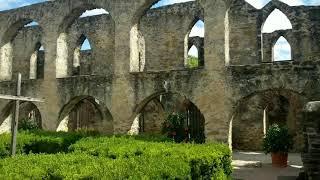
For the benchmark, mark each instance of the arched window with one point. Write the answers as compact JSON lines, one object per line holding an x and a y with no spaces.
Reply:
{"x":85,"y":45}
{"x":37,"y":63}
{"x":282,"y":50}
{"x":81,"y":54}
{"x":65,"y":66}
{"x":277,"y":20}
{"x":197,"y":30}
{"x":193,"y":57}
{"x":6,"y":54}
{"x":194,"y":46}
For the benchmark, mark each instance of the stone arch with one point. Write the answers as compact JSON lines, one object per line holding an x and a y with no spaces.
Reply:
{"x":255,"y":112}
{"x":93,"y":115}
{"x":6,"y":51}
{"x":270,"y":7}
{"x":197,"y":41}
{"x":171,"y":102}
{"x":137,"y":46}
{"x":283,"y":16}
{"x":275,"y":34}
{"x":37,"y":61}
{"x":63,"y":65}
{"x":79,"y":55}
{"x":28,"y":112}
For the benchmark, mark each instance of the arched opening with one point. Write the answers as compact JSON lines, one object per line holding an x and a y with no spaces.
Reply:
{"x":94,"y":12}
{"x":193,"y":57}
{"x":7,"y":45}
{"x":167,"y":2}
{"x":154,"y":116}
{"x":281,"y":50}
{"x":277,"y":20}
{"x":82,"y":56}
{"x":158,"y":45}
{"x":29,"y":117}
{"x":197,"y":30}
{"x":37,"y":60}
{"x":85,"y":113}
{"x":195,"y":46}
{"x":257,"y":112}
{"x":68,"y":59}
{"x":33,"y":23}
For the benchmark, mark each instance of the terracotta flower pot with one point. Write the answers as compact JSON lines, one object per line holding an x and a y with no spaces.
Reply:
{"x":279,"y":159}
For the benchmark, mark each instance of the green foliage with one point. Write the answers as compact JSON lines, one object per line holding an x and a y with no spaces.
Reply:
{"x":174,"y":127}
{"x":205,"y":160}
{"x":116,"y":157}
{"x":27,"y":124}
{"x":193,"y":62}
{"x":277,"y":139}
{"x":40,"y":142}
{"x":82,"y":166}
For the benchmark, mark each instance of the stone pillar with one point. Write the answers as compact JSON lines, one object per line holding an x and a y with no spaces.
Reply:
{"x":311,"y":154}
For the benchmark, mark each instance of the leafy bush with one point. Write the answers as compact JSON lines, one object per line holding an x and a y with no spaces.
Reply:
{"x":40,"y":142}
{"x":193,"y":62}
{"x":82,"y":166}
{"x":174,"y":127}
{"x":277,"y":139}
{"x":122,"y":157}
{"x":205,"y":161}
{"x":27,"y":124}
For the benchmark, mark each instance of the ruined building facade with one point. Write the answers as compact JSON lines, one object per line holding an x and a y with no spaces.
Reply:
{"x":138,"y":57}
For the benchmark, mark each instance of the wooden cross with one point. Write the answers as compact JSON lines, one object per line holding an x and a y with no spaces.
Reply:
{"x":15,"y":121}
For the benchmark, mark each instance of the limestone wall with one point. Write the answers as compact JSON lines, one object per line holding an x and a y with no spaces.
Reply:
{"x":131,"y":35}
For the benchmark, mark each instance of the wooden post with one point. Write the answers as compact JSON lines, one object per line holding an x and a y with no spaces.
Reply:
{"x":15,"y":120}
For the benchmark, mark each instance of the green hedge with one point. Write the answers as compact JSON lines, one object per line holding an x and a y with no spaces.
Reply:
{"x":205,"y":160}
{"x":40,"y":142}
{"x":82,"y":166}
{"x":124,"y":157}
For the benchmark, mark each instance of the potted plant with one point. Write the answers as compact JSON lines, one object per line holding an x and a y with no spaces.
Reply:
{"x":278,"y":142}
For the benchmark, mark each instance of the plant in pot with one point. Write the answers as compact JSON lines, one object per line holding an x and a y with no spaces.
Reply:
{"x":278,"y":142}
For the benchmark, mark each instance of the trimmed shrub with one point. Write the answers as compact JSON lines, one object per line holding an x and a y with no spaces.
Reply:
{"x":40,"y":142}
{"x":123,"y":157}
{"x":82,"y":166}
{"x":205,"y":160}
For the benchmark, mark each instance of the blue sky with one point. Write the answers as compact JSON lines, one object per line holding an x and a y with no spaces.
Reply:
{"x":277,"y":19}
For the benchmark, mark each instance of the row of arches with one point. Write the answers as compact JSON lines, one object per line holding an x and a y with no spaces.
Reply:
{"x":69,"y":66}
{"x":68,"y":60}
{"x":252,"y":116}
{"x":88,"y":113}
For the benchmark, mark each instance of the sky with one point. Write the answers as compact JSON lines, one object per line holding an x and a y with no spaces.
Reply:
{"x":277,"y":20}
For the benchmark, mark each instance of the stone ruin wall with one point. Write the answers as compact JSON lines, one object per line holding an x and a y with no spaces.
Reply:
{"x":237,"y":66}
